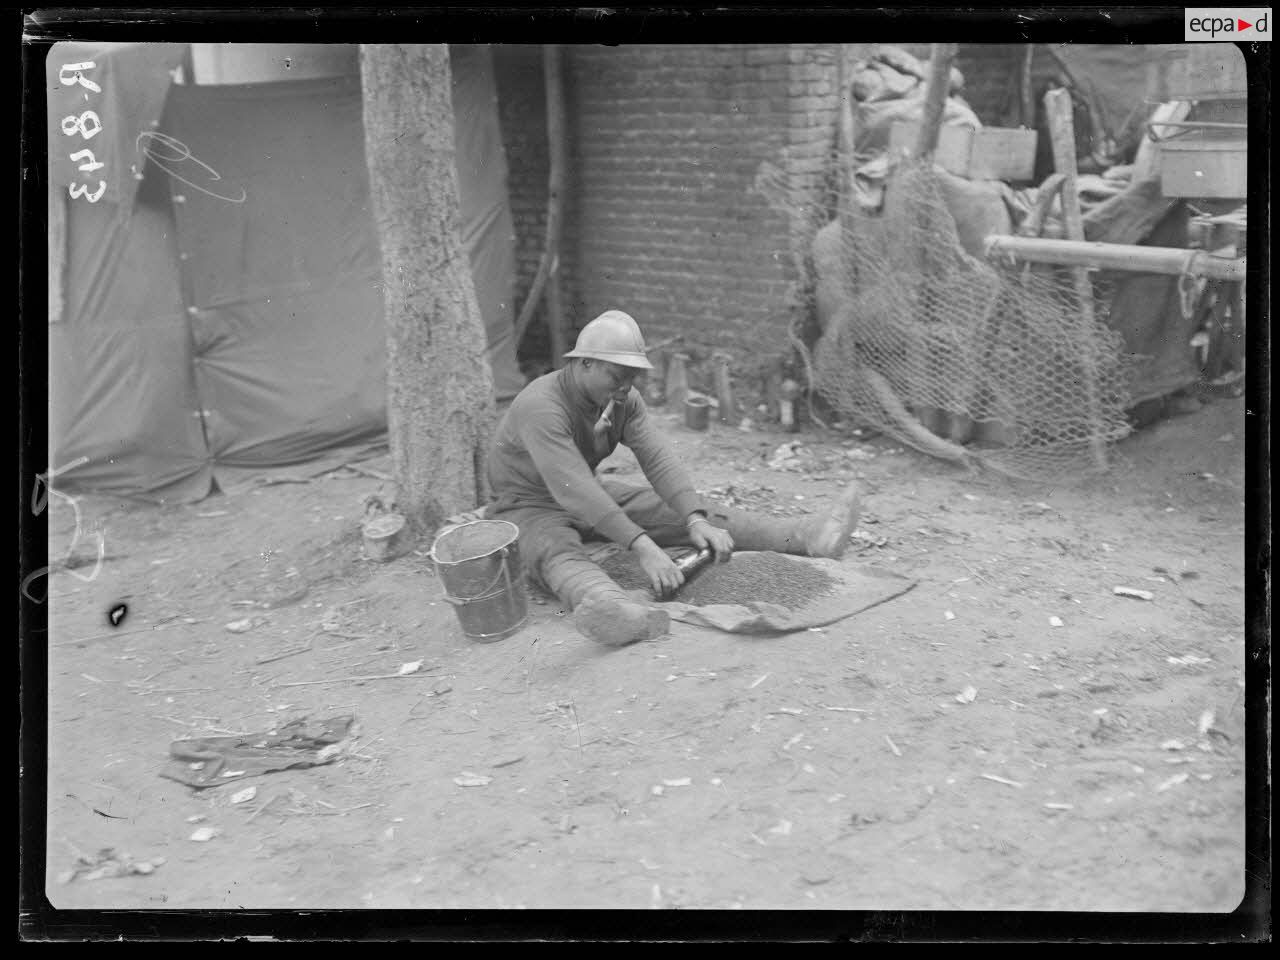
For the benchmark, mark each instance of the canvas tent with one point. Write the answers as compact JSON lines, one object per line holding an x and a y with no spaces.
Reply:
{"x":217,"y":310}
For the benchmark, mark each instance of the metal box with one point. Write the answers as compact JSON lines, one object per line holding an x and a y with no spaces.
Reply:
{"x":1203,"y":163}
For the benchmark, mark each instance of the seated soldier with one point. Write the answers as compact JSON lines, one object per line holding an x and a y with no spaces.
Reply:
{"x":542,"y":474}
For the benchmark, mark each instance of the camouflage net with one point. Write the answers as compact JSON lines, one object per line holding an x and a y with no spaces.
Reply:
{"x":968,"y":360}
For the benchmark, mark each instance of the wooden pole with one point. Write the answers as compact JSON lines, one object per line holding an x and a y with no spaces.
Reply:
{"x":1057,"y":104}
{"x":1101,"y":142}
{"x":552,"y":76}
{"x":844,"y":142}
{"x":935,"y":98}
{"x":1125,"y":257}
{"x":1028,"y":94}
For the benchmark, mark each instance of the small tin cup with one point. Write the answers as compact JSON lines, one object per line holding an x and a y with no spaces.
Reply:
{"x":697,"y":413}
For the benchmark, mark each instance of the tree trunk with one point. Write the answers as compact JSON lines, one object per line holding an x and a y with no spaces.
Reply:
{"x":439,"y":387}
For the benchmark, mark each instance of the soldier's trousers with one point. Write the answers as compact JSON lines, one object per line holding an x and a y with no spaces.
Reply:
{"x":548,"y":533}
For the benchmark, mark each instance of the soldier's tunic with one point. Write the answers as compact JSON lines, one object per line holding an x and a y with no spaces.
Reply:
{"x":542,"y":475}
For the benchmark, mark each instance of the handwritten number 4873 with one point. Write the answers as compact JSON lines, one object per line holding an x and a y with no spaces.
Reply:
{"x":87,"y":124}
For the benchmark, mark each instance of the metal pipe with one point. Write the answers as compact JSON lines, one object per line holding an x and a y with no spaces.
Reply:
{"x":1131,"y":258}
{"x":1188,"y":125}
{"x":1206,"y":124}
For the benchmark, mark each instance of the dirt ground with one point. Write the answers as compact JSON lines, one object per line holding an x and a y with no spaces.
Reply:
{"x":839,"y":768}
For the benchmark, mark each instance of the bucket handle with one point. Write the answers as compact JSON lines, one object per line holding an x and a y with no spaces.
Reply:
{"x":503,"y":572}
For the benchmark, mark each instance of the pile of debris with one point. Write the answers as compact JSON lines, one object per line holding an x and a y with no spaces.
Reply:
{"x":757,"y":499}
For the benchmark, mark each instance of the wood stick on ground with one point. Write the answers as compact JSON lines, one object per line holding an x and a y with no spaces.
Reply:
{"x":288,"y":653}
{"x":533,"y":663}
{"x":977,"y":576}
{"x":684,"y":733}
{"x":274,"y":798}
{"x":992,"y":776}
{"x":379,"y":676}
{"x":150,"y":691}
{"x":376,"y":474}
{"x":576,"y":726}
{"x":118,"y":633}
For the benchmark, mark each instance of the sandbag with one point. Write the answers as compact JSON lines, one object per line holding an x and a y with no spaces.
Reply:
{"x":875,"y":119}
{"x":831,"y":286}
{"x":890,"y":63}
{"x":1130,"y":215}
{"x":874,"y":81}
{"x":979,"y":208}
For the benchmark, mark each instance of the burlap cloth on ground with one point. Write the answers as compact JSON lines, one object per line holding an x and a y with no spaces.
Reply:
{"x":856,"y":588}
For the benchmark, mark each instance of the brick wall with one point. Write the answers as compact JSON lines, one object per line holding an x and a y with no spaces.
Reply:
{"x":663,"y":219}
{"x":667,"y":141}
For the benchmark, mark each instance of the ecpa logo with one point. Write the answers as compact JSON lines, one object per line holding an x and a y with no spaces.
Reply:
{"x":1238,"y":24}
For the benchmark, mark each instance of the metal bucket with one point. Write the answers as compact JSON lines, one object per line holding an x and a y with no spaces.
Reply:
{"x":479,"y":565}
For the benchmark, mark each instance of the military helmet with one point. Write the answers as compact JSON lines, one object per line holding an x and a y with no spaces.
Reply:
{"x":613,"y":336}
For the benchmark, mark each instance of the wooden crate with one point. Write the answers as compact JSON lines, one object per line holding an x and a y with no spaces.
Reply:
{"x":988,"y":153}
{"x":1003,"y":153}
{"x":1204,"y":164}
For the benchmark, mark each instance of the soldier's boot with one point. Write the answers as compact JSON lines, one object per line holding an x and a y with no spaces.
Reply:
{"x":824,"y":536}
{"x":601,"y":610}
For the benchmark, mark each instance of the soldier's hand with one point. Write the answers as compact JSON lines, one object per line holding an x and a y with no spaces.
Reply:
{"x":704,"y":534}
{"x":664,"y":576}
